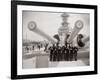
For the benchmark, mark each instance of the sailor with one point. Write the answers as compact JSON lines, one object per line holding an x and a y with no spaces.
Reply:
{"x":66,"y":54}
{"x":51,"y":51}
{"x":70,"y":53}
{"x":75,"y":53}
{"x":59,"y":53}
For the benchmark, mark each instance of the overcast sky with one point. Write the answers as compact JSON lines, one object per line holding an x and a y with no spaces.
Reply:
{"x":49,"y":22}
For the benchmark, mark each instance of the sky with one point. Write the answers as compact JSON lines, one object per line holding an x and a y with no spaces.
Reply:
{"x":50,"y":22}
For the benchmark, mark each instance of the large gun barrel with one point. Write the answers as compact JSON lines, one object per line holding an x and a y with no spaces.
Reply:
{"x":76,"y":29}
{"x":33,"y":27}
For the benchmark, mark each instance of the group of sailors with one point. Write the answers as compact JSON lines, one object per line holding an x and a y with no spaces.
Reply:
{"x":57,"y":53}
{"x":64,"y":53}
